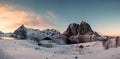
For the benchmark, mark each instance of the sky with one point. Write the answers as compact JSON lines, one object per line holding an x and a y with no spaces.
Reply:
{"x":102,"y":15}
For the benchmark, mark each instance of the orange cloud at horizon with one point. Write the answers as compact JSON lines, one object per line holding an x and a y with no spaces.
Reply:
{"x":110,"y":32}
{"x":11,"y":19}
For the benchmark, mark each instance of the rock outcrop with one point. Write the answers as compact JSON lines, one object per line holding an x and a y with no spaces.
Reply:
{"x":85,"y":28}
{"x":71,"y":30}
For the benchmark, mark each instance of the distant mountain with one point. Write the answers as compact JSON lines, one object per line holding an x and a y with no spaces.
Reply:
{"x":28,"y":33}
{"x":35,"y":33}
{"x":1,"y":34}
{"x":76,"y":33}
{"x":51,"y":33}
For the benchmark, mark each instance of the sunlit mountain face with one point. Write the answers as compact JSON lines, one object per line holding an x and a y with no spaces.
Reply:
{"x":103,"y":16}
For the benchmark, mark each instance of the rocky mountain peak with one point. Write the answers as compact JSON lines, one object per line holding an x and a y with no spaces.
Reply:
{"x":79,"y":33}
{"x":72,"y":30}
{"x":84,"y":28}
{"x":83,"y":22}
{"x":22,"y":27}
{"x":21,"y":32}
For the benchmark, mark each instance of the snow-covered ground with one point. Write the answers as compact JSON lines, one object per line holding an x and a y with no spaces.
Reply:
{"x":26,"y":49}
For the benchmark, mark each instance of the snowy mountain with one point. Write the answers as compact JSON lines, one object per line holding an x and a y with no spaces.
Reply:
{"x":76,"y":33}
{"x":51,"y":33}
{"x":2,"y":34}
{"x":21,"y":32}
{"x":28,"y":33}
{"x":35,"y":33}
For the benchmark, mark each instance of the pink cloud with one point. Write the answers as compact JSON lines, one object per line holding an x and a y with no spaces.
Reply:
{"x":10,"y":19}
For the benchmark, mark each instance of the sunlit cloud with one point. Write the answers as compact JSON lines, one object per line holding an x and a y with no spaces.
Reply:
{"x":10,"y":19}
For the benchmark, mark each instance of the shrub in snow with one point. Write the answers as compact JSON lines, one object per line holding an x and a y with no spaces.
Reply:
{"x":76,"y":57}
{"x":81,"y":49}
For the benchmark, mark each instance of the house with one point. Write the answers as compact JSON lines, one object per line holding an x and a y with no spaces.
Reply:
{"x":46,"y":42}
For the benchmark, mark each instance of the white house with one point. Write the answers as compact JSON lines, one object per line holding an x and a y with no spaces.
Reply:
{"x":46,"y":42}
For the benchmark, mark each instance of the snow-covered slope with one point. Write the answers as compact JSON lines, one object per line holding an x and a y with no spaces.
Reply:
{"x":52,"y":33}
{"x":35,"y":33}
{"x":26,"y":49}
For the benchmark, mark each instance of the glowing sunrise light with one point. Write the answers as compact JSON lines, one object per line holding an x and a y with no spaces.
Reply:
{"x":11,"y":19}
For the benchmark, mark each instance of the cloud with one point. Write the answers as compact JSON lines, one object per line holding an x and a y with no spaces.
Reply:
{"x":10,"y":19}
{"x":50,"y":17}
{"x":51,"y":14}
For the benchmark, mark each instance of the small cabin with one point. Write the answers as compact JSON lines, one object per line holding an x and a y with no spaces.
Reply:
{"x":46,"y":42}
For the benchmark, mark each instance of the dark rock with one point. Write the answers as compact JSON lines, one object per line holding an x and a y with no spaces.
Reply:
{"x":76,"y":33}
{"x":84,"y":28}
{"x":76,"y":57}
{"x":36,"y":48}
{"x":81,"y":46}
{"x":77,"y":39}
{"x":71,"y":30}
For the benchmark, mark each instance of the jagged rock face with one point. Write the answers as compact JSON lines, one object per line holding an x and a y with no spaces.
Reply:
{"x":71,"y":30}
{"x":51,"y":33}
{"x":76,"y":33}
{"x":74,"y":28}
{"x":21,"y":32}
{"x":77,"y":39}
{"x":84,"y":28}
